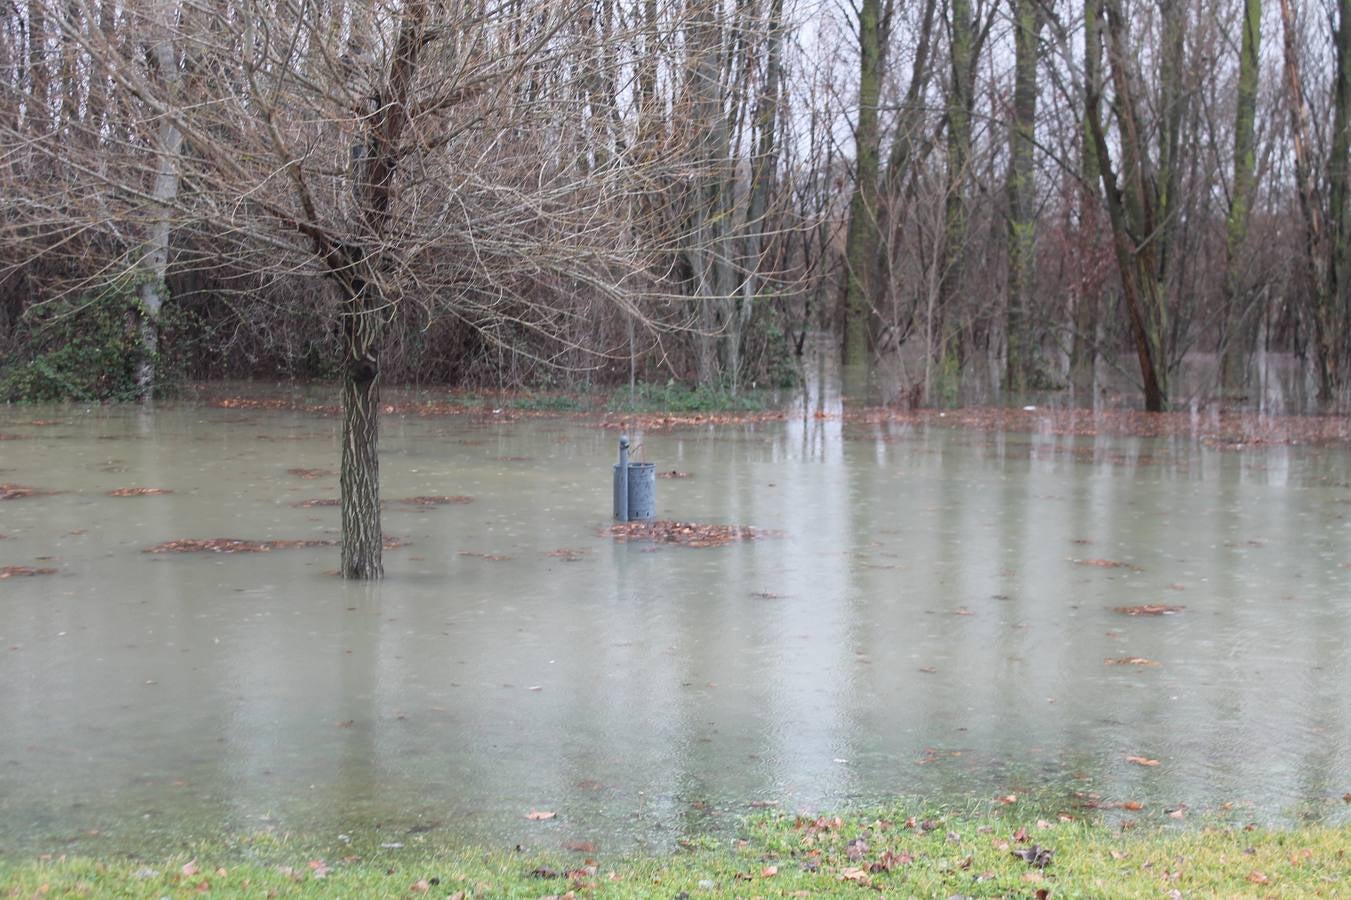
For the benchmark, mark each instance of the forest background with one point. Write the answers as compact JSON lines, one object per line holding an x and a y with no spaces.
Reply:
{"x":558,"y":192}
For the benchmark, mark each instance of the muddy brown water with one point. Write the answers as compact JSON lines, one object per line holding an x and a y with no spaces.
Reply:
{"x":930,"y":622}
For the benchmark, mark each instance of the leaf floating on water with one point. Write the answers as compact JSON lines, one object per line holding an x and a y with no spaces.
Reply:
{"x":1142,"y":761}
{"x":235,"y":545}
{"x":567,"y":555}
{"x":495,"y":557}
{"x":19,"y":492}
{"x":23,"y":571}
{"x":1107,"y":564}
{"x":1129,"y":661}
{"x":321,"y":501}
{"x":540,"y":815}
{"x":1149,"y":609}
{"x":433,"y":500}
{"x":674,"y":474}
{"x":687,"y":534}
{"x":311,"y":474}
{"x":139,"y":492}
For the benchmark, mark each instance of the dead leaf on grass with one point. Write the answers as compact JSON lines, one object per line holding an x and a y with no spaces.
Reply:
{"x":1142,"y":761}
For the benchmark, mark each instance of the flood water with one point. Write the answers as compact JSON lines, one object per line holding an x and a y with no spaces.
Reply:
{"x":925,"y":625}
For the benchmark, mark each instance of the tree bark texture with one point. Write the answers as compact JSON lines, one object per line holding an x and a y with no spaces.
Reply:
{"x":1238,"y":337}
{"x":1022,"y":360}
{"x":862,"y":243}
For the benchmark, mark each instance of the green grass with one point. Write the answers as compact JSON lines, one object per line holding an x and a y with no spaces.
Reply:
{"x":895,"y":851}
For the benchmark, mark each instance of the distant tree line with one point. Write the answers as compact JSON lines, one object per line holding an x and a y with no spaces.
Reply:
{"x":558,"y":191}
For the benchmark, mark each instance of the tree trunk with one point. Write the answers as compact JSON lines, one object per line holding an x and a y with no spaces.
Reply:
{"x":1137,"y":274}
{"x":1339,"y":194}
{"x":154,"y":290}
{"x":861,"y":242}
{"x":1311,"y":207}
{"x":1022,"y":360}
{"x":960,"y":102}
{"x":359,"y":478}
{"x":1239,"y":314}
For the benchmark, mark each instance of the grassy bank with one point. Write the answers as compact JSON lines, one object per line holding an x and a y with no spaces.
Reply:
{"x":891,"y":851}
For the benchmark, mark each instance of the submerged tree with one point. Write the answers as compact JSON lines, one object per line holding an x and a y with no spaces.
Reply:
{"x":406,"y":153}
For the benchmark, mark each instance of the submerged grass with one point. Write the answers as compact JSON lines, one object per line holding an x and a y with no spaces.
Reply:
{"x":892,"y":851}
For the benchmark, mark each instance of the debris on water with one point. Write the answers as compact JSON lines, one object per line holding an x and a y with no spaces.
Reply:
{"x":139,"y":492}
{"x":687,"y":534}
{"x":234,"y":545}
{"x":674,"y":473}
{"x":19,"y":491}
{"x":1107,"y":564}
{"x":311,"y":474}
{"x":1149,"y":609}
{"x":21,"y":571}
{"x":433,"y":501}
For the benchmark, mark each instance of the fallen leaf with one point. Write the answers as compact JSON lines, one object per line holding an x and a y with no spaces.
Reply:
{"x":1142,"y":761}
{"x":190,"y":868}
{"x":855,"y":875}
{"x":688,"y":534}
{"x":24,"y":571}
{"x":1129,"y":661}
{"x":1106,"y":564}
{"x":1119,"y":854}
{"x":888,"y":861}
{"x":311,"y":474}
{"x":769,"y":871}
{"x":233,"y":545}
{"x":421,"y":886}
{"x":1149,"y":609}
{"x":1041,"y":857}
{"x":139,"y":492}
{"x":580,"y":846}
{"x":856,"y":849}
{"x":1257,"y":877}
{"x":1008,"y":799}
{"x":1133,"y":805}
{"x":540,"y":815}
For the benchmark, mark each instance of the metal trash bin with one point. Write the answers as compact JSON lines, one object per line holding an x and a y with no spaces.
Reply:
{"x":635,"y":487}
